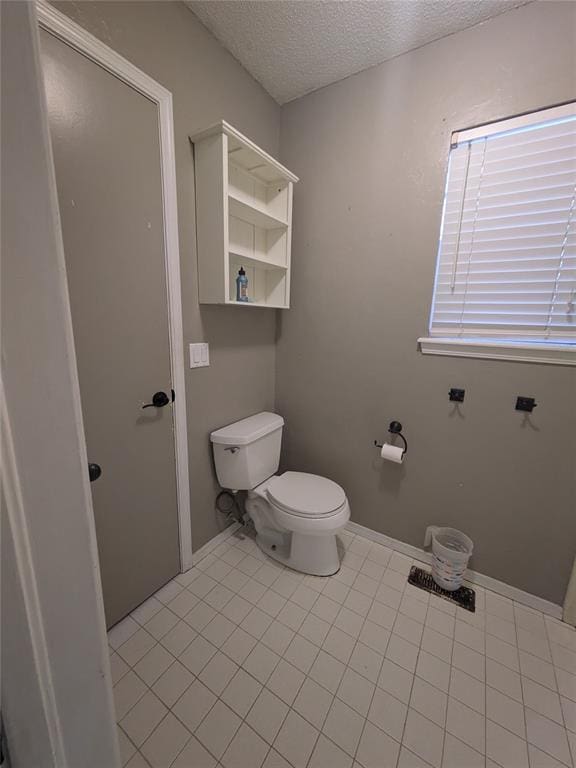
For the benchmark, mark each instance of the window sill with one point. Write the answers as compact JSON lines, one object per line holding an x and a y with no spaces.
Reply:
{"x":551,"y":354}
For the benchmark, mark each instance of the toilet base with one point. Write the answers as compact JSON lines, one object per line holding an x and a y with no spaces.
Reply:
{"x":314,"y":555}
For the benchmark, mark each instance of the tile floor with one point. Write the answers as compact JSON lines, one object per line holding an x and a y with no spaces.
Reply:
{"x":241,"y":663}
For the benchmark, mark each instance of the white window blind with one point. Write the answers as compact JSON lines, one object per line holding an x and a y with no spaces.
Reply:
{"x":507,"y":258}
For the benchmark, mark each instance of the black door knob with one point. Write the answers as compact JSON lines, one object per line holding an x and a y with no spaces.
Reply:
{"x":94,"y":471}
{"x":159,"y":400}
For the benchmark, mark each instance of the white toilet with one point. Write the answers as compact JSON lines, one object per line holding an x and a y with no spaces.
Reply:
{"x":296,"y":515}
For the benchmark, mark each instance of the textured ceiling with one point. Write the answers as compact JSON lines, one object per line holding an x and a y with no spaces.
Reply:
{"x":293,"y":47}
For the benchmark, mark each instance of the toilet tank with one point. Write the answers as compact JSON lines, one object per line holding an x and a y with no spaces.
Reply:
{"x":247,"y":452}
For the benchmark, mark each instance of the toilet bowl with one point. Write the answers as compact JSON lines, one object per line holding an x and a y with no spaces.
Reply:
{"x":296,"y":514}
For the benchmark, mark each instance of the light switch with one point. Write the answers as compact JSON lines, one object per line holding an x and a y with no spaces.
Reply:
{"x":199,"y":355}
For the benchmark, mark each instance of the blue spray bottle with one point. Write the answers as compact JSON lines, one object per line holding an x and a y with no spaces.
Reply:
{"x":241,"y":286}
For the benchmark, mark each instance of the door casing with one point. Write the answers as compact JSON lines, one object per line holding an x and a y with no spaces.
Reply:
{"x":72,"y":34}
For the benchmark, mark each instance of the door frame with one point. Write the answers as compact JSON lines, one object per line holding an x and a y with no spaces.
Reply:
{"x":72,"y":34}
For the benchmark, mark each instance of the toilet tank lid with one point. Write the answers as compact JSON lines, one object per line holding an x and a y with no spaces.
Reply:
{"x":248,"y":430}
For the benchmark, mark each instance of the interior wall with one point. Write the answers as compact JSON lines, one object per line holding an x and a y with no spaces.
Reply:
{"x":167,"y":41}
{"x":371,"y":152}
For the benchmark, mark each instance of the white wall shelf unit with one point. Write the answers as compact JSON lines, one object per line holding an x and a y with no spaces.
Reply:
{"x":243,"y":219}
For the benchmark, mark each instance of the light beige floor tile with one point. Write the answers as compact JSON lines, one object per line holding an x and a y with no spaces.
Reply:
{"x":285,"y":681}
{"x":201,"y":615}
{"x":326,"y":753}
{"x":143,"y":718}
{"x":408,"y":628}
{"x":408,"y":759}
{"x":503,"y":679}
{"x":218,"y":630}
{"x":437,"y":644}
{"x":538,"y":670}
{"x":296,"y":740}
{"x":182,"y":603}
{"x":160,"y":624}
{"x":388,"y":714}
{"x":505,"y":711}
{"x":377,"y":749}
{"x":241,"y":692}
{"x":165,"y":743}
{"x":325,"y":608}
{"x":356,"y":691}
{"x":292,"y":616}
{"x":136,"y":647}
{"x":466,"y":724}
{"x":153,"y":664}
{"x":327,"y":671}
{"x":236,"y":609}
{"x":314,"y":629}
{"x":547,"y":736}
{"x":127,"y":749}
{"x":261,"y":662}
{"x":178,"y":638}
{"x":275,"y":760}
{"x":146,"y":610}
{"x":218,"y":673}
{"x":246,"y":750}
{"x":271,"y":603}
{"x":433,"y":670}
{"x":403,"y":653}
{"x":194,"y":705}
{"x":278,"y":637}
{"x":366,"y":661}
{"x":267,"y":715}
{"x":127,"y":692}
{"x":239,"y":645}
{"x":502,"y":652}
{"x":504,"y":747}
{"x":301,"y":653}
{"x":429,"y":701}
{"x":339,"y":644}
{"x":118,"y":667}
{"x":313,"y":702}
{"x":349,"y":622}
{"x":197,"y":654}
{"x":122,"y":631}
{"x":542,"y":700}
{"x":423,"y":738}
{"x":343,"y":726}
{"x":218,"y":729}
{"x":396,"y":680}
{"x":469,"y":661}
{"x":460,"y":755}
{"x":172,"y":684}
{"x":468,"y":690}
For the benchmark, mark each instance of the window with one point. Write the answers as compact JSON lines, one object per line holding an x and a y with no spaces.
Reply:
{"x":506,"y":272}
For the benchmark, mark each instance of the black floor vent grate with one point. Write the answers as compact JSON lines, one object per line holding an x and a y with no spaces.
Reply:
{"x":464,"y":597}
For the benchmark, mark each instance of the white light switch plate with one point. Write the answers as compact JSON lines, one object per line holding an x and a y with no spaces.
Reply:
{"x":199,"y":355}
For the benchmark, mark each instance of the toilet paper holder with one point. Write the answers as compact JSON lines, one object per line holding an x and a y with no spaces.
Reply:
{"x":395,"y":428}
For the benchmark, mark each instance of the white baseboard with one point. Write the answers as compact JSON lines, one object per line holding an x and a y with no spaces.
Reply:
{"x":211,"y":545}
{"x":487,"y":582}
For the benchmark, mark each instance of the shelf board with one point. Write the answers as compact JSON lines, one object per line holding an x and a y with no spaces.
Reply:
{"x":272,"y":170}
{"x":254,"y":261}
{"x":256,"y":304}
{"x":252,"y":214}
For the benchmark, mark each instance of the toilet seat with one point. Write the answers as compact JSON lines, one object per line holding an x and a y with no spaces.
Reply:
{"x":305,"y":495}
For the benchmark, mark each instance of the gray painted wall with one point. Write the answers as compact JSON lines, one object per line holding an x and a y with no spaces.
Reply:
{"x":167,"y":42}
{"x":371,"y":154}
